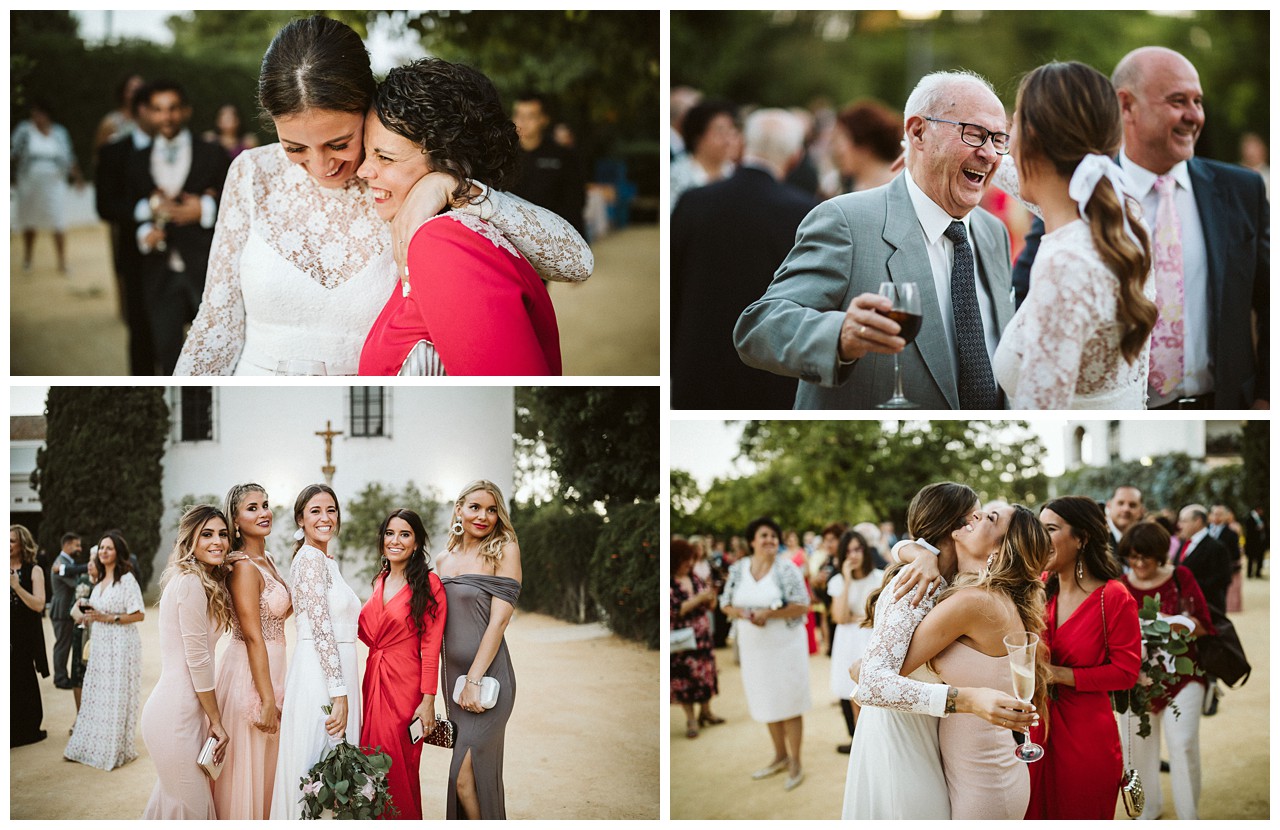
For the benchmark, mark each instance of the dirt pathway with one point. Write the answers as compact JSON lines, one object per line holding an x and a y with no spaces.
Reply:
{"x":582,"y":742}
{"x":711,"y":774}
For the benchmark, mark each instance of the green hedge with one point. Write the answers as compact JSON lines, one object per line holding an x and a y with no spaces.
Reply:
{"x":625,"y":572}
{"x":556,"y":546}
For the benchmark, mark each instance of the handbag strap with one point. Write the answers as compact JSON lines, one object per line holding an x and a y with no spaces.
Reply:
{"x":1105,"y":644}
{"x":444,"y":664}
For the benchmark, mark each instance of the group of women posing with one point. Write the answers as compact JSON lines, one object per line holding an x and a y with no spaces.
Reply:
{"x":270,"y":726}
{"x":937,"y":649}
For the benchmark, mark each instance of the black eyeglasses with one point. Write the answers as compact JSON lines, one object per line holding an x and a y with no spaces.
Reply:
{"x":975,"y":135}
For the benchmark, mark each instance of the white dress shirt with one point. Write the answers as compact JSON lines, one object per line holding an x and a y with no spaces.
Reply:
{"x":934,"y":221}
{"x":1191,"y":544}
{"x":1198,"y":380}
{"x":170,"y":167}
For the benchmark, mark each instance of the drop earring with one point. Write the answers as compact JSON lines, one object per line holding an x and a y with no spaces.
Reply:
{"x":1079,"y":568}
{"x":991,"y":560}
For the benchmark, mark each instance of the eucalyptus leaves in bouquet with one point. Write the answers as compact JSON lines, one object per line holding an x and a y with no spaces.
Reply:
{"x":349,"y":781}
{"x":1164,"y":664}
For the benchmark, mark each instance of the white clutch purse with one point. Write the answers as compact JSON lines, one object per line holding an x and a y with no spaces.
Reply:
{"x":205,"y":759}
{"x":488,"y":691}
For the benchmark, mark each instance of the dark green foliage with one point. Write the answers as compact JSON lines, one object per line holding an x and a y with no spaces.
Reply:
{"x":100,"y":467}
{"x":556,"y":546}
{"x":1256,"y":449}
{"x":363,"y":515}
{"x":600,"y":443}
{"x":1174,"y":480}
{"x":625,"y":572}
{"x":788,"y":58}
{"x":815,"y":472}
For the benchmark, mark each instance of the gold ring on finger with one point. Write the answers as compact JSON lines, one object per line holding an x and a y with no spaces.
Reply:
{"x":862,"y":330}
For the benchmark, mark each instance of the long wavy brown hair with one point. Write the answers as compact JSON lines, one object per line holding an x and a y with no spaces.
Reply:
{"x":183,"y":561}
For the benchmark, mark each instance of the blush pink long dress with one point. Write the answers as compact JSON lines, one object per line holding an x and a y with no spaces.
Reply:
{"x":174,"y":725}
{"x":243,"y":790}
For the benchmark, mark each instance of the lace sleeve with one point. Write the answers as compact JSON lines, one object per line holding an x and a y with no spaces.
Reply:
{"x":552,"y":246}
{"x":217,"y":336}
{"x":311,"y":597}
{"x":1006,"y":178}
{"x":1062,"y":310}
{"x":879,"y":683}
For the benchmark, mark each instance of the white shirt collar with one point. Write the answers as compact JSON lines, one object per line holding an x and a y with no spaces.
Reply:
{"x":1198,"y":537}
{"x":181,"y":140}
{"x":934,"y":221}
{"x":1143,"y":179}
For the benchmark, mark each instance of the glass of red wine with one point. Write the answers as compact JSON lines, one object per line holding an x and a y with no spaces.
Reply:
{"x":906,"y":313}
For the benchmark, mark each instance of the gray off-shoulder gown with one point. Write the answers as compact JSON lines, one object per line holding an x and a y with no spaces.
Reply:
{"x":482,"y":734}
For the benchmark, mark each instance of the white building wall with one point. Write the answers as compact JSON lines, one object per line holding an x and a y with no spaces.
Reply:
{"x":1135,"y":439}
{"x":441,"y":438}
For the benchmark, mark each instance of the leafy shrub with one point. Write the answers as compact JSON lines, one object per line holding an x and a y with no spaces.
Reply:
{"x":556,"y":548}
{"x":625,"y":572}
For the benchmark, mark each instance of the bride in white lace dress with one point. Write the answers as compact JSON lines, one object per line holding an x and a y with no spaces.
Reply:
{"x":323,"y":669}
{"x":895,"y":765}
{"x":301,"y":264}
{"x":1081,"y":338}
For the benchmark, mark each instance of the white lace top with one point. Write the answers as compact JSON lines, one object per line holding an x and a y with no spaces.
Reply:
{"x":328,"y":611}
{"x":1061,"y":350}
{"x":879,"y":683}
{"x":299,"y":271}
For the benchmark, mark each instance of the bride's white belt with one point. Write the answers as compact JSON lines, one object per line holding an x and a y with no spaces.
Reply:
{"x":341,"y":634}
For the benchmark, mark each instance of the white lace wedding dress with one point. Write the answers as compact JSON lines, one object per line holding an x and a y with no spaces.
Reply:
{"x":323,"y":666}
{"x":299,"y":271}
{"x":1061,"y":350}
{"x":895,"y":767}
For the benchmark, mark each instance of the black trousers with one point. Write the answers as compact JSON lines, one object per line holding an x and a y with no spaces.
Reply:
{"x":172,"y":298}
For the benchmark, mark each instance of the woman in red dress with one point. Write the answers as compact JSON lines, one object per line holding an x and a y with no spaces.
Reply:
{"x":469,"y":303}
{"x":402,"y":624}
{"x":1091,"y":631}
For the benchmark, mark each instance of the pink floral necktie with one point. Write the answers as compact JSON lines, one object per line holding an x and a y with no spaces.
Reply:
{"x":1167,"y":338}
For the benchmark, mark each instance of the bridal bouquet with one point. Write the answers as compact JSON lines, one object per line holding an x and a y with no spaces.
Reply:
{"x":350,"y":782}
{"x":1164,"y":663}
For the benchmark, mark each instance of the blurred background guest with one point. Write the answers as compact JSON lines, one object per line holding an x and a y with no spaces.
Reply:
{"x":1253,"y":154}
{"x":64,"y":574}
{"x":683,"y":99}
{"x":41,"y":161}
{"x":26,"y":639}
{"x":866,"y":142}
{"x":1145,"y":546}
{"x":849,"y":590}
{"x":712,"y":146}
{"x":693,"y":671}
{"x":118,"y":123}
{"x":727,"y":239}
{"x":551,"y":174}
{"x":1224,"y":527}
{"x":229,"y":131}
{"x":767,"y":597}
{"x":1255,"y":540}
{"x":106,"y":729}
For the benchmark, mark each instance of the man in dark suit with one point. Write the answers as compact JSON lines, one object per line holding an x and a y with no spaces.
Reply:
{"x":1255,"y":541}
{"x":64,"y":572}
{"x":1206,"y":557}
{"x":115,"y":204}
{"x":551,"y":176}
{"x":1223,"y":220}
{"x":727,"y":239}
{"x":175,"y":185}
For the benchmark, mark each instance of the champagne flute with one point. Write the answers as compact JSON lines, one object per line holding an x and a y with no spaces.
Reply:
{"x":906,"y":313}
{"x":1022,"y":665}
{"x":301,"y":367}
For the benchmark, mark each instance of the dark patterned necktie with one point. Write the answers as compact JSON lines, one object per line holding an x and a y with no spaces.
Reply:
{"x":976,"y":384}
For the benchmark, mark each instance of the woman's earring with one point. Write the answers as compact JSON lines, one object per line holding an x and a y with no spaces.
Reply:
{"x":1079,"y":569}
{"x":456,"y":529}
{"x":299,"y":535}
{"x":386,"y":566}
{"x":991,"y":560}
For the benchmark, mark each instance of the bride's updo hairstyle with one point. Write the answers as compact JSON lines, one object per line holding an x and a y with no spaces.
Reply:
{"x":455,"y":115}
{"x":315,"y":63}
{"x":1067,"y":111}
{"x":934,"y":512}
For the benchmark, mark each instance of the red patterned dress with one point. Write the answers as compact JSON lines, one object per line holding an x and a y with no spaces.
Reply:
{"x":693,"y":673}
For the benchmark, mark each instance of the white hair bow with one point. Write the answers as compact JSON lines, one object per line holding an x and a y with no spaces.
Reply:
{"x":1091,"y":170}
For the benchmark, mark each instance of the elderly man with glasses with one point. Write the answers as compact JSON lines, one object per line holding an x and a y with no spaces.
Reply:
{"x":821,"y":319}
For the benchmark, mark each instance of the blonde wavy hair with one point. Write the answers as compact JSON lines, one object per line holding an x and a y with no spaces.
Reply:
{"x":183,"y":561}
{"x":499,"y":536}
{"x":1015,"y":572}
{"x":29,"y":548}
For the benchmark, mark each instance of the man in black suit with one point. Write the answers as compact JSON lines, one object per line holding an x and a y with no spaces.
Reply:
{"x":115,"y":204}
{"x":175,"y":185}
{"x":1224,"y":220}
{"x":1255,"y":541}
{"x":1206,"y":557}
{"x":727,"y":240}
{"x":551,"y":176}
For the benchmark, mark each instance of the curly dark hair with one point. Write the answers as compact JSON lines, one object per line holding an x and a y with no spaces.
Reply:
{"x":454,"y":114}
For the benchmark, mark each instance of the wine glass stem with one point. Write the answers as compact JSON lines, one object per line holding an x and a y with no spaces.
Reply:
{"x":897,"y":379}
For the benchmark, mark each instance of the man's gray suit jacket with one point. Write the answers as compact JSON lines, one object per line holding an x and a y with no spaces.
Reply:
{"x":845,"y":247}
